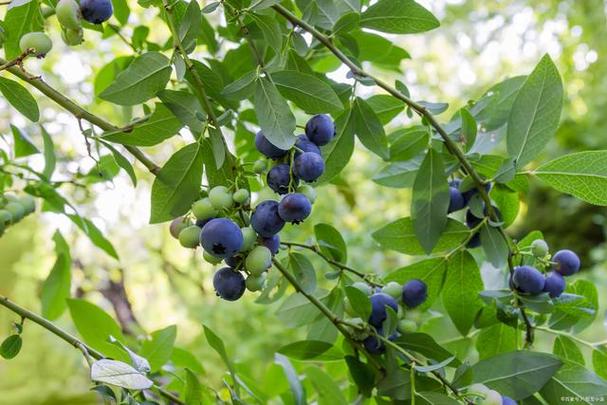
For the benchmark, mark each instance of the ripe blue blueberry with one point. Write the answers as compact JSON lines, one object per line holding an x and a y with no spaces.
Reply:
{"x":233,"y":261}
{"x":229,"y":284}
{"x":309,"y":166}
{"x":455,"y":183}
{"x":567,"y":262}
{"x":202,"y":222}
{"x":373,"y":345}
{"x":554,"y":284}
{"x":456,"y":200}
{"x":320,"y":129}
{"x":279,"y":177}
{"x":221,"y":237}
{"x":294,"y":208}
{"x":265,"y":220}
{"x":472,"y":221}
{"x":468,"y":194}
{"x":267,"y":148}
{"x":96,"y":11}
{"x":379,"y":301}
{"x":508,"y":401}
{"x":303,"y":144}
{"x":528,"y":279}
{"x":272,"y":243}
{"x":415,"y":293}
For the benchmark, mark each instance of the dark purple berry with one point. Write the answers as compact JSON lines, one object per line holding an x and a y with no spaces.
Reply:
{"x":229,"y":284}
{"x":554,"y":284}
{"x":309,"y":166}
{"x":379,"y":301}
{"x":221,"y":237}
{"x":373,"y":345}
{"x":303,"y":144}
{"x":528,"y":279}
{"x":320,"y":129}
{"x":456,"y":200}
{"x":415,"y":293}
{"x":272,"y":243}
{"x":267,"y":148}
{"x":294,"y":208}
{"x":279,"y":177}
{"x":265,"y":220}
{"x":567,"y":262}
{"x":96,"y":11}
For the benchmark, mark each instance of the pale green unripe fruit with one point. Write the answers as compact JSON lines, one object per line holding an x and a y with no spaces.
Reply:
{"x":406,"y":326}
{"x":190,"y":237}
{"x":260,"y":166}
{"x":258,"y":261}
{"x":16,"y":210}
{"x":28,"y":203}
{"x":492,"y":398}
{"x":393,"y":289}
{"x":72,"y":37}
{"x":539,"y":248}
{"x":221,"y":198}
{"x":68,"y":14}
{"x":209,"y":258}
{"x":255,"y":283}
{"x":478,"y":389}
{"x":249,"y":237}
{"x":241,"y":196}
{"x":38,"y":41}
{"x":11,"y":197}
{"x":203,"y":209}
{"x":5,"y":217}
{"x":414,"y":314}
{"x":364,"y":287}
{"x":308,"y":191}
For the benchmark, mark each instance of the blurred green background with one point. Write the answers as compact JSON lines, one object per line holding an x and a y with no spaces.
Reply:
{"x":478,"y":44}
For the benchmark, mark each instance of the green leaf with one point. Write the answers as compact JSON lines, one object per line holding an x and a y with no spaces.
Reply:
{"x":430,"y":201}
{"x":496,"y":339}
{"x":274,"y":115}
{"x":469,"y":128}
{"x":11,"y":346}
{"x":193,"y":389}
{"x":575,"y":382}
{"x":185,"y":106}
{"x":299,"y":394}
{"x":50,"y":159}
{"x":430,"y":271}
{"x":305,"y":349}
{"x":94,"y":234}
{"x":460,"y":293}
{"x":507,"y":201}
{"x":369,"y":129}
{"x":142,"y":79}
{"x":119,"y":374}
{"x":536,"y":112}
{"x":23,"y":144}
{"x":493,"y":109}
{"x":578,"y":313}
{"x":338,"y":152}
{"x":263,"y":4}
{"x":297,"y":310}
{"x":183,"y":358}
{"x":359,"y":301}
{"x":121,"y":11}
{"x":309,"y":93}
{"x":516,"y":374}
{"x":406,"y":143}
{"x":158,"y":350}
{"x":96,"y":326}
{"x":567,"y":350}
{"x":123,"y":163}
{"x":399,"y":174}
{"x":582,"y":174}
{"x":390,"y":56}
{"x":433,"y":398}
{"x":386,"y":107}
{"x":303,"y":270}
{"x":494,"y":245}
{"x":362,"y":374}
{"x":177,"y":184}
{"x":159,"y":126}
{"x":190,"y":26}
{"x":400,"y":236}
{"x":217,"y":344}
{"x":331,"y":242}
{"x":329,"y":392}
{"x":599,"y":362}
{"x":20,"y":98}
{"x":56,"y":287}
{"x":270,"y":30}
{"x":21,"y":17}
{"x":398,"y":17}
{"x":241,"y":88}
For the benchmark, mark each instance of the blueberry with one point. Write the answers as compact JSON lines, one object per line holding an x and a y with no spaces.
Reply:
{"x":189,"y":237}
{"x":415,"y":293}
{"x":96,"y":11}
{"x":320,"y":129}
{"x":221,"y":237}
{"x":407,"y":326}
{"x":539,"y":248}
{"x":303,"y":144}
{"x":204,"y":209}
{"x":455,"y":183}
{"x":528,"y":279}
{"x":279,"y":177}
{"x":29,"y":204}
{"x":265,"y":219}
{"x":474,"y":242}
{"x":258,"y":260}
{"x":268,"y":149}
{"x":178,"y":225}
{"x":202,"y":222}
{"x":379,"y":301}
{"x":229,"y":284}
{"x":393,"y":289}
{"x":16,"y":210}
{"x":38,"y":41}
{"x":468,"y":194}
{"x":472,"y":221}
{"x":567,"y":262}
{"x":491,"y":398}
{"x":508,"y":401}
{"x":68,"y":14}
{"x":210,"y":258}
{"x":272,"y":243}
{"x":241,"y":196}
{"x":233,"y":261}
{"x":255,"y":283}
{"x":456,"y":200}
{"x":294,"y":208}
{"x":309,"y":166}
{"x":373,"y":345}
{"x":221,"y":198}
{"x":250,"y":236}
{"x":260,"y":166}
{"x":554,"y":284}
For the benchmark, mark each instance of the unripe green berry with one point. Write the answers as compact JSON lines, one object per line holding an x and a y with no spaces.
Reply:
{"x":478,"y":389}
{"x":492,"y":398}
{"x":249,"y":237}
{"x":203,"y":209}
{"x":364,"y":287}
{"x":414,"y":314}
{"x":258,"y":260}
{"x":221,"y":198}
{"x":29,"y":204}
{"x":190,"y":237}
{"x":68,"y":14}
{"x":407,"y":326}
{"x":255,"y":283}
{"x":72,"y":37}
{"x":178,"y":225}
{"x":393,"y":289}
{"x":308,"y":191}
{"x":209,"y":258}
{"x":539,"y":248}
{"x":241,"y":196}
{"x":16,"y":210}
{"x":38,"y":41}
{"x":260,"y":166}
{"x":9,"y":197}
{"x":5,"y":218}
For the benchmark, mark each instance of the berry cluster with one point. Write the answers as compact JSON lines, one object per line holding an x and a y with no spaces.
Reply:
{"x":13,"y":209}
{"x":529,"y":280}
{"x":411,"y":295}
{"x":245,"y":242}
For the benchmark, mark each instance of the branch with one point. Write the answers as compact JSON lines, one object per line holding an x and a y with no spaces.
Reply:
{"x":79,"y":112}
{"x":18,"y":60}
{"x":51,"y":327}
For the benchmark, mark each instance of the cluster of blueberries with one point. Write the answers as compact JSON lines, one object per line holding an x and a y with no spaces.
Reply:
{"x":412,"y":294}
{"x":223,"y":227}
{"x":13,"y":209}
{"x":488,"y":396}
{"x":529,"y":280}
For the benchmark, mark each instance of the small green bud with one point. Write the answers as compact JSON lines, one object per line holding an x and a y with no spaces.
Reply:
{"x":260,"y":166}
{"x":407,"y":326}
{"x":539,"y":248}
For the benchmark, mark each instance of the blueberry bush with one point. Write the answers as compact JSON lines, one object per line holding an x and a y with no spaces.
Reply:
{"x":248,"y":85}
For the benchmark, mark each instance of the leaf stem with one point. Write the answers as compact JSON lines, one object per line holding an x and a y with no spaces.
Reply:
{"x":570,"y":336}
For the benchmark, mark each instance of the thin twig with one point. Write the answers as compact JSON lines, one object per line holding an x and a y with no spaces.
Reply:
{"x":18,"y":61}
